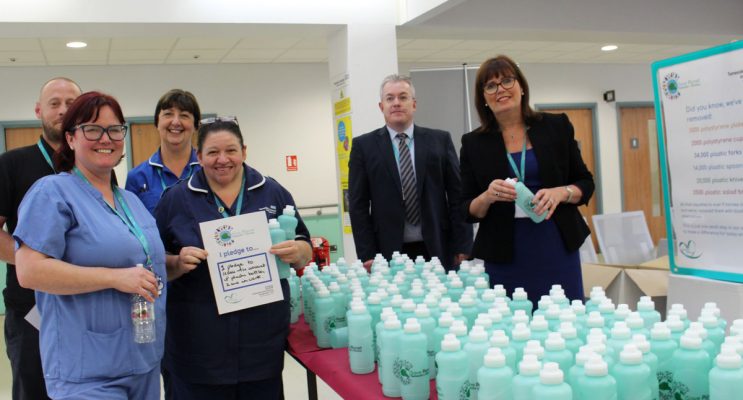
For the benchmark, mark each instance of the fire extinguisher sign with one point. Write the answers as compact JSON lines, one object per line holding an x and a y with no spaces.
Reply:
{"x":291,"y":163}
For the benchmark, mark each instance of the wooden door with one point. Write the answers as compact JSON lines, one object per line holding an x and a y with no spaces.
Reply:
{"x":19,"y":137}
{"x":145,"y":140}
{"x":641,"y":183}
{"x":582,"y":120}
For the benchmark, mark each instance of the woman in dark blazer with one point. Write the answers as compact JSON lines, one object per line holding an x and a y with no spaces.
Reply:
{"x":539,"y":150}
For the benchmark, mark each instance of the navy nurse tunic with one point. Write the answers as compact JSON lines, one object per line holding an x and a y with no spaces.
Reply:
{"x":202,"y":346}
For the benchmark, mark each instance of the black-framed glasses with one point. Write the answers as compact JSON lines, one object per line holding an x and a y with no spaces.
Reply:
{"x":226,"y":118}
{"x":492,"y":86}
{"x":95,"y":132}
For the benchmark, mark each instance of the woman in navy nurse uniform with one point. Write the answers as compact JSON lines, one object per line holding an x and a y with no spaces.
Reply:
{"x":79,"y":239}
{"x":540,"y":150}
{"x":238,"y":355}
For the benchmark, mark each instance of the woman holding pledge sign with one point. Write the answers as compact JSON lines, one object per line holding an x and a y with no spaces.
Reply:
{"x":239,"y":354}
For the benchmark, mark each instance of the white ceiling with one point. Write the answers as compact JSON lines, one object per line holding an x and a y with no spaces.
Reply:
{"x":465,"y":31}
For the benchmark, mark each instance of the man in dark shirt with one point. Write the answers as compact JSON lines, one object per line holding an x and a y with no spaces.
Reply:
{"x":19,"y":169}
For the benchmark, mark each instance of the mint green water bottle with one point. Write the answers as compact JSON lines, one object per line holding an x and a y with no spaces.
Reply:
{"x":552,"y":315}
{"x":519,"y":336}
{"x":360,"y":339}
{"x":621,"y":313}
{"x":295,"y":297}
{"x":542,"y":305}
{"x":555,"y":351}
{"x":469,"y":309}
{"x":527,"y":378}
{"x":499,"y":339}
{"x":324,"y":317}
{"x":476,"y":348}
{"x":596,"y":383}
{"x":580,"y":318}
{"x":707,"y":345}
{"x":594,"y":299}
{"x":278,"y":235}
{"x":636,"y":325}
{"x":427,"y":327}
{"x":646,"y":308}
{"x":557,"y":294}
{"x":444,"y":323}
{"x":651,"y":360}
{"x":620,"y":336}
{"x":551,"y":384}
{"x":339,"y":304}
{"x":578,"y":369}
{"x":715,"y":333}
{"x":389,"y":352}
{"x":452,"y":375}
{"x":289,"y":222}
{"x":520,"y":301}
{"x":539,"y":328}
{"x":570,"y":335}
{"x":726,"y":378}
{"x":495,"y":378}
{"x":596,"y":321}
{"x":632,"y":375}
{"x":459,"y":329}
{"x":606,"y":308}
{"x":533,"y":347}
{"x":485,"y":322}
{"x":690,"y":367}
{"x":680,"y":311}
{"x":524,"y":198}
{"x":412,"y":366}
{"x":386,"y":313}
{"x":712,"y":307}
{"x":498,"y":323}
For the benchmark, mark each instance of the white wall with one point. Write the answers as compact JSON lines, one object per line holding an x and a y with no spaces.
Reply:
{"x":282,"y":108}
{"x":586,"y":83}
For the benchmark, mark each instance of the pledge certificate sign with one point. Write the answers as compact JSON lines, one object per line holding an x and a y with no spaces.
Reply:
{"x":243,"y":273}
{"x":699,"y":109}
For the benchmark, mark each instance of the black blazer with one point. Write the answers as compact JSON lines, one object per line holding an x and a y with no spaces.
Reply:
{"x":483,"y":159}
{"x":375,"y":195}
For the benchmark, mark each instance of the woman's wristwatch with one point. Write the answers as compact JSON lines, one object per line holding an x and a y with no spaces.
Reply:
{"x":570,"y":193}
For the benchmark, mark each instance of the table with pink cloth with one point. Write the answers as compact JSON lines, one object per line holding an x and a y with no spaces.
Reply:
{"x":332,"y":366}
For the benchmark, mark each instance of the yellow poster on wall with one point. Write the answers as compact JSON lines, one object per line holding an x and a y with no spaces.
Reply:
{"x":343,"y":137}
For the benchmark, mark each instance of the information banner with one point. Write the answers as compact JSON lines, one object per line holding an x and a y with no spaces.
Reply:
{"x":699,"y":112}
{"x":242,"y":272}
{"x":343,"y":138}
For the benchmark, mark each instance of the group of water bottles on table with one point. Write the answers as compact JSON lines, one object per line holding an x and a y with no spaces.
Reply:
{"x":418,"y":323}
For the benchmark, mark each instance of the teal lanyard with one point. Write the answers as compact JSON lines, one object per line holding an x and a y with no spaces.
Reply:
{"x":162,"y":179}
{"x":223,"y":210}
{"x":522,"y":176}
{"x":127,"y":218}
{"x":46,"y":155}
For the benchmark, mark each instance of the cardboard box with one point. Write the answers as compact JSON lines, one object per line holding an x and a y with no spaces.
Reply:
{"x":627,"y":283}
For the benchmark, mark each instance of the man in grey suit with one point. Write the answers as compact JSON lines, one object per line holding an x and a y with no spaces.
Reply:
{"x":404,"y":186}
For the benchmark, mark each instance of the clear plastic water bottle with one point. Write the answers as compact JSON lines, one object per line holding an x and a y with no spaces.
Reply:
{"x":451,"y":379}
{"x":143,"y":318}
{"x":527,"y":378}
{"x":494,"y":378}
{"x":726,"y":378}
{"x":632,"y":375}
{"x":412,"y":366}
{"x":551,"y":384}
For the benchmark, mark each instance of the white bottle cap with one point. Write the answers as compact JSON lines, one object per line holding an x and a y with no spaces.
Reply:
{"x":699,"y":329}
{"x":422,"y":311}
{"x":567,"y":315}
{"x":596,"y":335}
{"x":534,"y":347}
{"x":450,"y":343}
{"x":568,"y":331}
{"x":606,"y":306}
{"x":728,"y":358}
{"x":466,"y":301}
{"x":408,"y":305}
{"x":488,"y":296}
{"x":499,"y":339}
{"x":520,"y":294}
{"x":484,"y":321}
{"x":529,"y":365}
{"x":456,"y":283}
{"x":510,"y":181}
{"x":690,"y":341}
{"x":595,"y":320}
{"x":416,"y":292}
{"x":708,"y":320}
{"x":458,"y":328}
{"x":553,"y":311}
{"x":556,"y":288}
{"x":289,"y":210}
{"x":520,"y":316}
{"x":646,"y":304}
{"x":674,"y":323}
{"x":596,"y":366}
{"x":736,"y":327}
{"x":358,"y":308}
{"x":584,"y":354}
{"x":502,"y":307}
{"x":478,"y":334}
{"x":630,"y":354}
{"x":598,"y":347}
{"x":445,"y":319}
{"x":641,"y":342}
{"x":635,"y":321}
{"x":521,"y":332}
{"x":333,"y":287}
{"x":500,"y":291}
{"x":455,"y":310}
{"x":494,"y":358}
{"x":323,"y":292}
{"x":620,"y":331}
{"x":273,"y":223}
{"x":622,"y":312}
{"x":551,"y":374}
{"x":374,"y":299}
{"x":544,"y":302}
{"x":391,"y":323}
{"x":736,"y":342}
{"x":554,"y":342}
{"x":481,"y":283}
{"x":412,"y":326}
{"x":678,"y":309}
{"x":538,"y":323}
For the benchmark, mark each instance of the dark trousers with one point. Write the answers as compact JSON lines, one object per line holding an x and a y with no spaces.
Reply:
{"x":415,"y":249}
{"x":22,"y":345}
{"x":267,"y":389}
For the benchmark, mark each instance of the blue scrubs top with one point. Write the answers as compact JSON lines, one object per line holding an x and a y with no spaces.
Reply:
{"x":144,"y":179}
{"x":202,"y":346}
{"x":88,"y":337}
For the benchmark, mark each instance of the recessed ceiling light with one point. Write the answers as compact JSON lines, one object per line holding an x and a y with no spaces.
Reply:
{"x":609,"y":47}
{"x":77,"y":45}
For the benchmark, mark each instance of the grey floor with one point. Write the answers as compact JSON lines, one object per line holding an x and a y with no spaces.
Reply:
{"x":295,"y":382}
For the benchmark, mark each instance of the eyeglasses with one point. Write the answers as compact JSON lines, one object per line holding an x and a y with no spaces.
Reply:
{"x":492,"y":86}
{"x":403,"y":98}
{"x":226,"y":118}
{"x":94,"y":132}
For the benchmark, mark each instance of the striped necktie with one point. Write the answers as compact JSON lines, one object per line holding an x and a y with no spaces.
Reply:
{"x":407,"y":179}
